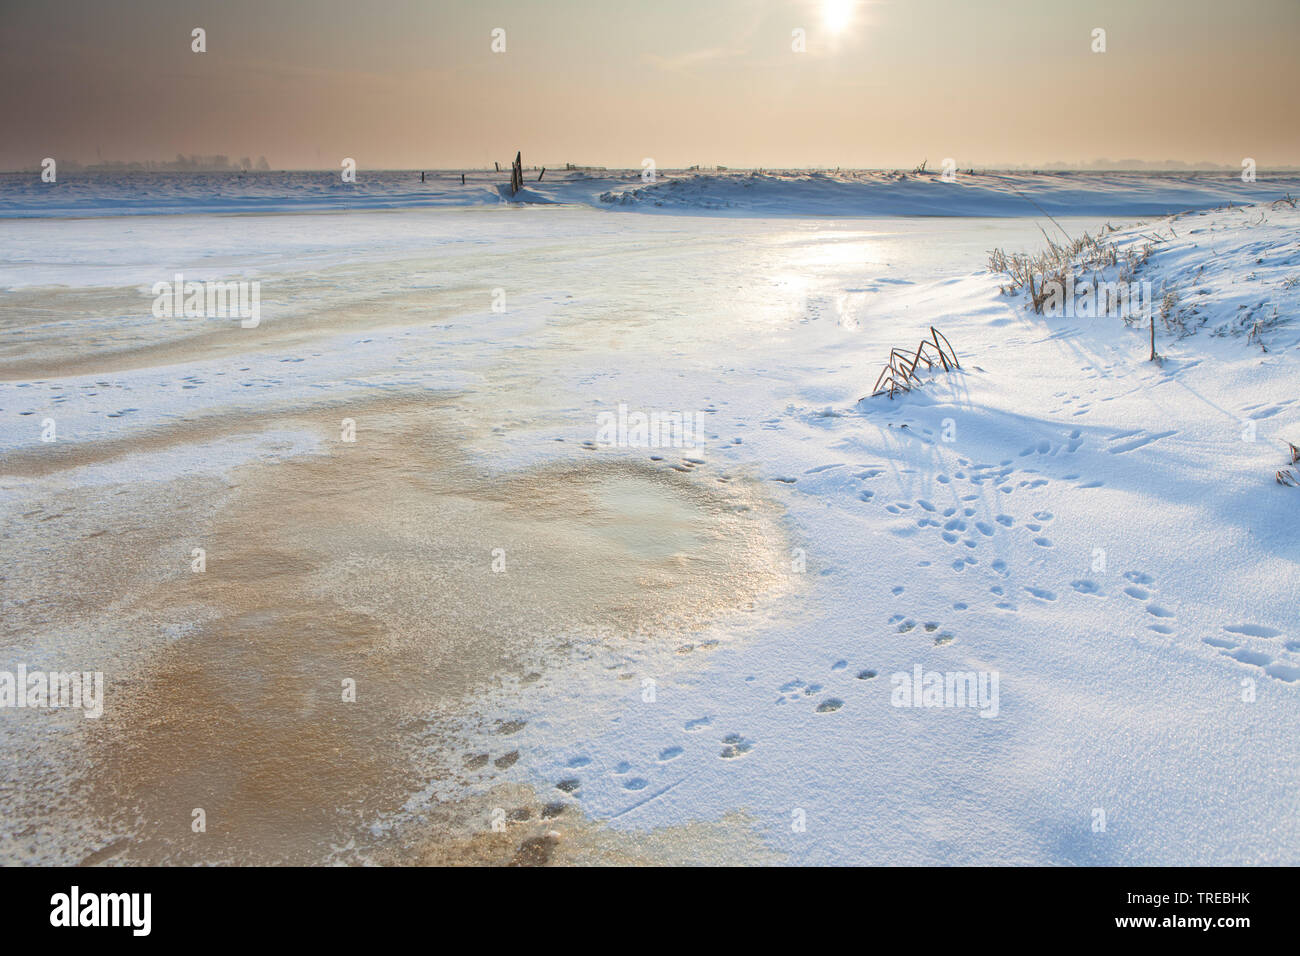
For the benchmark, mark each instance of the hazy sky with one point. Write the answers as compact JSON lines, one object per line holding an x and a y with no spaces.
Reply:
{"x":415,"y":84}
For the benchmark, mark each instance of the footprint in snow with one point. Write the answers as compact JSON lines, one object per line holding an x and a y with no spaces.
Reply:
{"x":1247,"y":656}
{"x":1252,"y":630}
{"x":734,"y":745}
{"x":1283,"y":672}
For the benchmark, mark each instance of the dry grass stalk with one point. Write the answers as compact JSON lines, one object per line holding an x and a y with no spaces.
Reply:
{"x":1059,"y":264}
{"x":900,"y":370}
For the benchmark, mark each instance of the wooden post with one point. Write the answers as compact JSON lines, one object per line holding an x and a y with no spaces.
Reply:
{"x":541,"y":174}
{"x":462,"y":179}
{"x":517,"y":174}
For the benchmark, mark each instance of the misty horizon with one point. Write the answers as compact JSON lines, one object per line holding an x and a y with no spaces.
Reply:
{"x":157,"y":165}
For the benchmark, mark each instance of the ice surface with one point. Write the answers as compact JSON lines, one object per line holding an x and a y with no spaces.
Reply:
{"x":1099,"y":531}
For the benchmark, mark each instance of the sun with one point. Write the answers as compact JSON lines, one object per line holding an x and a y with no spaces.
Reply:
{"x":837,"y":14}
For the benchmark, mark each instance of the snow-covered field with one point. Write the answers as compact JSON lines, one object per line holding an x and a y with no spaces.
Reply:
{"x":1098,"y":540}
{"x":767,"y":193}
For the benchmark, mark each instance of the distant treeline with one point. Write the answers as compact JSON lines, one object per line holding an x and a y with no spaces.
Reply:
{"x":219,"y":163}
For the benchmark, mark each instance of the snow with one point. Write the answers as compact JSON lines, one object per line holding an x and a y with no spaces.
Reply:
{"x":764,"y":193}
{"x":1098,"y":533}
{"x":1103,"y":533}
{"x":864,"y":194}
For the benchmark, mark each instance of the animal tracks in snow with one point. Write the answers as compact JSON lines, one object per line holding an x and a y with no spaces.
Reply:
{"x":1072,"y":444}
{"x":965,"y":524}
{"x":1267,"y":411}
{"x":1135,"y":440}
{"x":974,"y":519}
{"x":1252,"y":630}
{"x":1261,"y":651}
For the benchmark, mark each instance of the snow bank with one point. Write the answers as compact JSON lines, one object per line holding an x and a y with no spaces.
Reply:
{"x":870,"y":194}
{"x":766,"y":194}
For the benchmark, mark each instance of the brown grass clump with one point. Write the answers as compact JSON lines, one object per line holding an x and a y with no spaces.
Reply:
{"x":900,"y":370}
{"x":1060,"y":262}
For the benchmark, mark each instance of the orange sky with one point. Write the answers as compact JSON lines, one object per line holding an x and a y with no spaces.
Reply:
{"x":883,"y":83}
